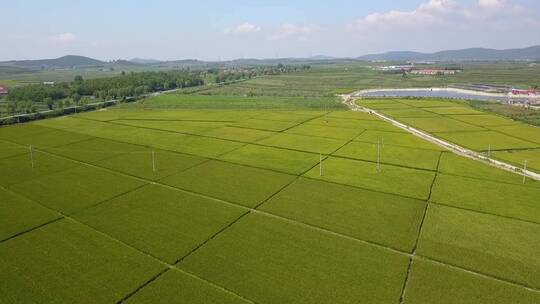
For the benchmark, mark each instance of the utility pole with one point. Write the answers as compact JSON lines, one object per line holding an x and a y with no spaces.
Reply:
{"x":378,"y":155}
{"x":320,"y":165}
{"x":153,"y":161}
{"x":32,"y":157}
{"x":524,"y":170}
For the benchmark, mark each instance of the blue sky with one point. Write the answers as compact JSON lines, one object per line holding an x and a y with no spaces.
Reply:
{"x":213,"y":30}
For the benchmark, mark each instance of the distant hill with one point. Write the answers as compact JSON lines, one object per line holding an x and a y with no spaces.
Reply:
{"x":473,"y":54}
{"x":144,"y":61}
{"x":69,"y":61}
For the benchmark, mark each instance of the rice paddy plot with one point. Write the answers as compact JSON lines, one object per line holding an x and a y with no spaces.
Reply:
{"x":484,"y":120}
{"x":281,"y":262}
{"x":290,"y":116}
{"x":522,"y":131}
{"x":234,"y":183}
{"x":50,"y":138}
{"x":303,"y":143}
{"x":15,"y":132}
{"x":453,"y":286}
{"x":265,"y":125}
{"x":150,"y":164}
{"x":186,"y":127}
{"x":65,"y":262}
{"x":351,"y":115}
{"x":518,"y":158}
{"x":238,"y":134}
{"x":388,"y":154}
{"x":282,"y":160}
{"x":196,"y":145}
{"x":356,"y":124}
{"x":513,"y":201}
{"x":486,"y":140}
{"x":430,"y":103}
{"x":397,"y":139}
{"x":439,"y":124}
{"x":94,"y":149}
{"x":457,"y":165}
{"x":324,"y":131}
{"x":176,"y":287}
{"x":31,"y":165}
{"x":20,"y":214}
{"x":389,"y":105}
{"x":389,"y":179}
{"x":453,"y":111}
{"x":8,"y":149}
{"x":79,"y":188}
{"x":485,"y":243}
{"x":163,"y":222}
{"x":409,"y":113}
{"x":89,"y":127}
{"x":366,"y":215}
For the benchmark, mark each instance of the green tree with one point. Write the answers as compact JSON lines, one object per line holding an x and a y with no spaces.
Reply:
{"x":49,"y":102}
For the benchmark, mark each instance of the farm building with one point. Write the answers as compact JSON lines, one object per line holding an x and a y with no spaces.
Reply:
{"x":3,"y":90}
{"x":433,"y":72}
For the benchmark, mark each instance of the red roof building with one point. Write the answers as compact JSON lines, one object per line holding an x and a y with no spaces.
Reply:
{"x":3,"y":90}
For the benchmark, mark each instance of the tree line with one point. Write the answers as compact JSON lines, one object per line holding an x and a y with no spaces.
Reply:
{"x":118,"y":87}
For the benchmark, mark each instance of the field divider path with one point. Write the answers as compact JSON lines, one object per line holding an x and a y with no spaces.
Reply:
{"x":350,"y":101}
{"x":252,"y":210}
{"x":413,"y":254}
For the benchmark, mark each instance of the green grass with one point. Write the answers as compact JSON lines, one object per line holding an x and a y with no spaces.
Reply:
{"x":224,"y":181}
{"x":165,"y":223}
{"x":391,"y":179}
{"x":282,"y":160}
{"x":50,"y":138}
{"x":280,"y":262}
{"x":481,"y":141}
{"x":142,"y":163}
{"x":519,"y":202}
{"x":485,"y":243}
{"x":428,"y":103}
{"x":80,"y":188}
{"x":396,"y":139}
{"x":303,"y":143}
{"x":434,"y":283}
{"x":380,"y":218}
{"x":65,"y":262}
{"x":19,"y":214}
{"x":388,"y":154}
{"x":176,"y":287}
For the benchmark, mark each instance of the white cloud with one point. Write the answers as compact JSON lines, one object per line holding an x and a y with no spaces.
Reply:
{"x":288,"y":30}
{"x":64,"y":38}
{"x":440,"y":12}
{"x":244,"y":28}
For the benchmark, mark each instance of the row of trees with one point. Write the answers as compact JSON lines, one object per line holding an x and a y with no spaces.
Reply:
{"x":231,"y":75}
{"x":126,"y":85}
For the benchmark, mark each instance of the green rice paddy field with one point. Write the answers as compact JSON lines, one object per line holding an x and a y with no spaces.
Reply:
{"x":284,"y":205}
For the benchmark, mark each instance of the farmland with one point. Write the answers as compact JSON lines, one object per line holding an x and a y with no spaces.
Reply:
{"x":220,"y":199}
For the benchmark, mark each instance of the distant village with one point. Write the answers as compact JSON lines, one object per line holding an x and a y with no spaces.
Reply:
{"x":415,"y":70}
